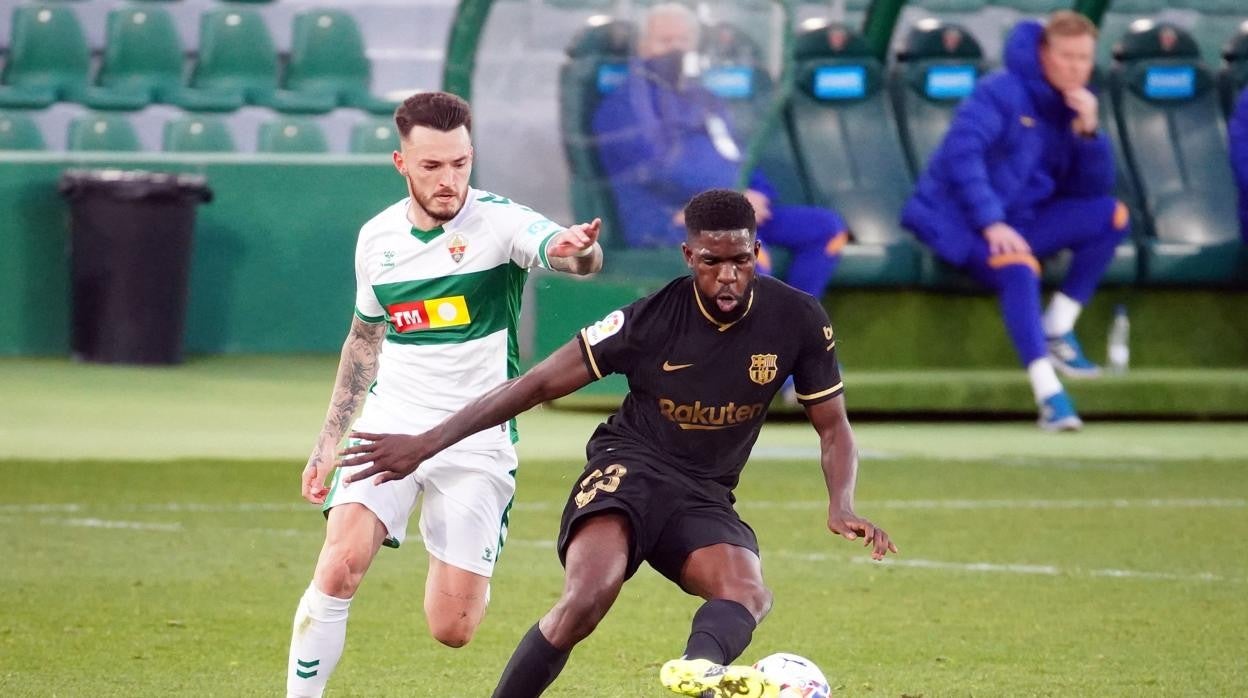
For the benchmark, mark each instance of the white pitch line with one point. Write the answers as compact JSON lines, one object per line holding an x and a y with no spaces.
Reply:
{"x":174,"y":527}
{"x":1000,"y":568}
{"x":919,"y":563}
{"x":40,"y":508}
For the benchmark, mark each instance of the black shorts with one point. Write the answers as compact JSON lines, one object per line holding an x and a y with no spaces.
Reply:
{"x":670,"y":515}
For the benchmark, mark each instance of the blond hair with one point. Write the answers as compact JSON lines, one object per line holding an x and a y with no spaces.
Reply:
{"x":1068,"y":23}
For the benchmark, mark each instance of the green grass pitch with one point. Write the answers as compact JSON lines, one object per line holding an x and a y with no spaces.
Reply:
{"x":154,"y":544}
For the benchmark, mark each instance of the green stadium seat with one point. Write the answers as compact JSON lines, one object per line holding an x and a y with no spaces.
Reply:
{"x":142,"y":49}
{"x":737,"y":74}
{"x":143,"y":52}
{"x":236,"y":52}
{"x":596,"y":63}
{"x":102,"y":132}
{"x":936,"y":68}
{"x":19,"y":132}
{"x":49,"y":60}
{"x":197,"y":134}
{"x":1171,"y":126}
{"x":847,"y":143}
{"x":1215,"y":24}
{"x":1233,"y":77}
{"x":1117,"y":19}
{"x":327,"y":55}
{"x":374,"y":136}
{"x":291,"y":135}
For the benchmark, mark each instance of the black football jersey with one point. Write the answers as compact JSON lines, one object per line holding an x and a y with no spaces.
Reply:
{"x":699,"y":389}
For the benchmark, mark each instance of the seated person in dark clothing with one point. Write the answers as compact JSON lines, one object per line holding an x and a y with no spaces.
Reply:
{"x":1237,"y":131}
{"x":663,"y":137}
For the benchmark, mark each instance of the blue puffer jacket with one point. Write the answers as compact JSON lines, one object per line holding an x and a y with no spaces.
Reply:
{"x":1237,"y":130}
{"x":1010,"y":147}
{"x":655,"y":148}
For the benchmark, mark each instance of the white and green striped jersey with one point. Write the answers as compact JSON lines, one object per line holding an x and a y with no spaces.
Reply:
{"x":450,"y":298}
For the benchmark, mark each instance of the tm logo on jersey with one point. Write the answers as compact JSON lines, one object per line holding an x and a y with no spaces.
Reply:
{"x":432,"y":314}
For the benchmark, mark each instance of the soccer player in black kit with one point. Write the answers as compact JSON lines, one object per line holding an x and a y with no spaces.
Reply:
{"x":704,"y":356}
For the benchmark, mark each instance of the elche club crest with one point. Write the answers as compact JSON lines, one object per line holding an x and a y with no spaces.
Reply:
{"x":456,"y":247}
{"x":763,"y":368}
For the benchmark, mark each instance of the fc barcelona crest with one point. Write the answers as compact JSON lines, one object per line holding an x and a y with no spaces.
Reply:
{"x":456,"y":247}
{"x":763,"y":368}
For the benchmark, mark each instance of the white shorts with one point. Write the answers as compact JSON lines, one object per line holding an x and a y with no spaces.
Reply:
{"x":463,"y":516}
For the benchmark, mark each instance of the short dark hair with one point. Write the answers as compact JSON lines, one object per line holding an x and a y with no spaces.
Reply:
{"x":441,"y":111}
{"x":719,"y":209}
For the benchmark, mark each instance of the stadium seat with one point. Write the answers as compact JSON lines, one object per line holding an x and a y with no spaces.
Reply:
{"x":19,"y":132}
{"x":1215,"y":24}
{"x":936,"y":68}
{"x":291,"y":135}
{"x":197,"y":134}
{"x":49,"y":60}
{"x":1169,"y":117}
{"x":1233,"y":77}
{"x":1117,"y":19}
{"x":374,"y":136}
{"x":236,"y":52}
{"x":143,"y":52}
{"x":847,"y":143}
{"x":102,"y":132}
{"x":327,"y":55}
{"x":596,"y":64}
{"x":737,"y":74}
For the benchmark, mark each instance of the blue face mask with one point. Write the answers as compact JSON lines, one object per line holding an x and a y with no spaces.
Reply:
{"x":667,"y":68}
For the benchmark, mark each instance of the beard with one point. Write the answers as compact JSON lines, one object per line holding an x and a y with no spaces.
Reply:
{"x":438,"y":209}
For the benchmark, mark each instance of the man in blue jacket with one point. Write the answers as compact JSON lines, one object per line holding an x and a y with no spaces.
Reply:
{"x":1237,"y":131}
{"x":663,"y":137}
{"x":1023,"y":173}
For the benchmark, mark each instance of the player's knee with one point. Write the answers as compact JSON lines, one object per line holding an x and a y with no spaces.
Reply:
{"x":453,"y":634}
{"x":755,"y":597}
{"x":339,"y":571}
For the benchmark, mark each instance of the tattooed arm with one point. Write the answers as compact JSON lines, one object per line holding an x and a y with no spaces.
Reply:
{"x":356,"y":370}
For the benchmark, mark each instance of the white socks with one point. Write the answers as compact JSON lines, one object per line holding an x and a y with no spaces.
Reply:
{"x":1044,"y":382}
{"x":1061,"y":314}
{"x":316,"y":643}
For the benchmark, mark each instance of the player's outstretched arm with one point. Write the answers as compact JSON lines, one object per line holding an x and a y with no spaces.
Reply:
{"x":395,"y":456}
{"x":356,"y":370}
{"x":576,"y":249}
{"x":839,"y":458}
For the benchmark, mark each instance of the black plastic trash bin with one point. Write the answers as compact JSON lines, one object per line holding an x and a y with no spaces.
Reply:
{"x":130,"y":254}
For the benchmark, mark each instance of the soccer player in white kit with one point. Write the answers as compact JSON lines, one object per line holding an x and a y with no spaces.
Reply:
{"x":438,"y":282}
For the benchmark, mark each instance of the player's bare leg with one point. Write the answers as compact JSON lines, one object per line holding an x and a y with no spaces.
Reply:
{"x":596,"y":562}
{"x":352,"y":537}
{"x":730,"y":578}
{"x":455,"y":601}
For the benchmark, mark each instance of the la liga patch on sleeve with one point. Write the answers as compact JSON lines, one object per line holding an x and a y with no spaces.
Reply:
{"x":604,"y":328}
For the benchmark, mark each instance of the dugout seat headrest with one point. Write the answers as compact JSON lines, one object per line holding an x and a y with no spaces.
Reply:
{"x":1148,"y":39}
{"x":836,"y":40}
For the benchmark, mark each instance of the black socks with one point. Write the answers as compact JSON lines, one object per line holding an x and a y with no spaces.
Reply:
{"x":721,"y":631}
{"x":532,"y":667}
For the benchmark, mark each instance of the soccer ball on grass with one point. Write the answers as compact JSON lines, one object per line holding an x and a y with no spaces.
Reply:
{"x":798,"y":677}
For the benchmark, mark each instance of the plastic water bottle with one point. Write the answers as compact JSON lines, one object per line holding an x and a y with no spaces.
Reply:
{"x":1119,"y":345}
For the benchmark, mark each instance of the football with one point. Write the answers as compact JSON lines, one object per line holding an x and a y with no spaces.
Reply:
{"x":798,"y":677}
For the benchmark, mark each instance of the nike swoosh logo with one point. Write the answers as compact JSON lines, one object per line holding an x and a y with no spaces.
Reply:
{"x":674,"y":367}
